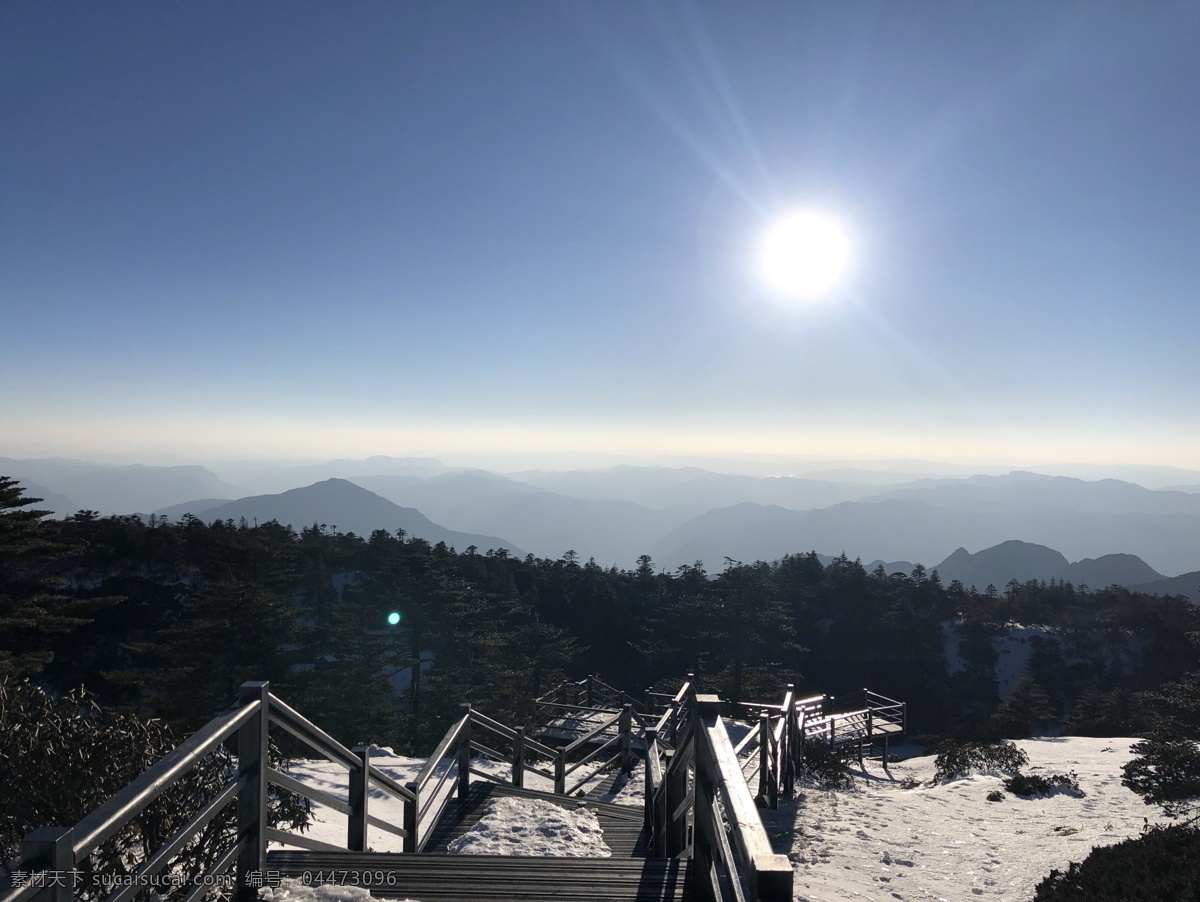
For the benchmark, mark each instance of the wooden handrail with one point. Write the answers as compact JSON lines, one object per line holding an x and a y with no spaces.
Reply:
{"x":589,"y":736}
{"x":112,"y":816}
{"x":763,"y":875}
{"x":449,"y":740}
{"x":58,"y":848}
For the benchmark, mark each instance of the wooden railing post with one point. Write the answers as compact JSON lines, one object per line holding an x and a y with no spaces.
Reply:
{"x":764,"y":757}
{"x":832,"y":728}
{"x":675,"y":791}
{"x":464,"y":755}
{"x":704,"y":842}
{"x":787,"y":754}
{"x":801,"y":738}
{"x":518,"y":767}
{"x":51,"y":849}
{"x":651,"y":788}
{"x":591,"y":691}
{"x":252,"y":801}
{"x":356,"y":822}
{"x":625,"y":731}
{"x":412,"y":811}
{"x":560,"y":772}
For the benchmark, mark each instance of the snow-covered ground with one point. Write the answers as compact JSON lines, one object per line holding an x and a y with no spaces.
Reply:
{"x":331,"y":827}
{"x":884,"y":841}
{"x":295,"y":891}
{"x":534,"y":827}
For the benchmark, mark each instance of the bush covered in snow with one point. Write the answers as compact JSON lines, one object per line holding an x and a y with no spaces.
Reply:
{"x":68,"y":755}
{"x":1161,"y":864}
{"x":1166,"y":773}
{"x":957,"y":759}
{"x":1037,"y":785}
{"x":823,"y":767}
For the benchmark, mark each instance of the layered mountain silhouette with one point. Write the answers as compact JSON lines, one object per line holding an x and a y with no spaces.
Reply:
{"x":346,"y":507}
{"x":546,"y":523}
{"x":1024,"y":561}
{"x":74,"y":485}
{"x":682,"y":514}
{"x":264,"y":478}
{"x":1186,"y":584}
{"x":907,"y":528}
{"x":1036,"y":491}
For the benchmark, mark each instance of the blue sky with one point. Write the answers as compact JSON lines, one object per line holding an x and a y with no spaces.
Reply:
{"x":305,"y":229}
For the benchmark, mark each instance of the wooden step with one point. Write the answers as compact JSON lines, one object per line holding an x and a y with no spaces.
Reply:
{"x":489,"y":878}
{"x":610,"y":784}
{"x":623,"y":826}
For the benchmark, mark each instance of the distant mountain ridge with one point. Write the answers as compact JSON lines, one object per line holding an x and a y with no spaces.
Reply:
{"x":1025,"y":561}
{"x":110,"y":489}
{"x":1185,"y":584}
{"x":347,"y":507}
{"x":682,"y":514}
{"x":918,"y":530}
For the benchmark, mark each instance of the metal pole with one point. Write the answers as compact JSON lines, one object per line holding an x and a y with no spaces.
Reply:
{"x":518,"y":767}
{"x":252,"y":801}
{"x":464,"y":755}
{"x":356,"y":840}
{"x":51,"y":849}
{"x":412,"y":811}
{"x":625,"y":731}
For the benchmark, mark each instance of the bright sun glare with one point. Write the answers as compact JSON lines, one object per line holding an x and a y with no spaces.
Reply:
{"x":804,"y":255}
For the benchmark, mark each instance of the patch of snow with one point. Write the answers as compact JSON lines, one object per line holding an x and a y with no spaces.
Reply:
{"x":630,"y":792}
{"x":886,"y":840}
{"x":290,"y":890}
{"x":332,"y":827}
{"x":514,"y":826}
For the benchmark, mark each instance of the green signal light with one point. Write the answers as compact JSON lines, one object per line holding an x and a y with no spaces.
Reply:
{"x":394,"y":618}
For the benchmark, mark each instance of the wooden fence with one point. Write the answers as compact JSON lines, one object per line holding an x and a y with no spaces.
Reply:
{"x":698,"y":803}
{"x":50,"y":852}
{"x":776,"y":744}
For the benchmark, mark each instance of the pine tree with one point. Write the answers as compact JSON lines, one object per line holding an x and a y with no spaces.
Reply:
{"x":226,"y":634}
{"x":33,"y":610}
{"x":1025,"y":710}
{"x":349,"y":690}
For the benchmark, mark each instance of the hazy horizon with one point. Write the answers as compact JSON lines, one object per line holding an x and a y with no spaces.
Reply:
{"x":528,"y":231}
{"x":1154,"y":476}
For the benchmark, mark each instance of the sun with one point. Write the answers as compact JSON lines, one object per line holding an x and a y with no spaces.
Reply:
{"x":804,"y":255}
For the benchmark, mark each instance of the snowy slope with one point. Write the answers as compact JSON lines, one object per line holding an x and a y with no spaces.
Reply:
{"x":947,"y":842}
{"x":886,"y":838}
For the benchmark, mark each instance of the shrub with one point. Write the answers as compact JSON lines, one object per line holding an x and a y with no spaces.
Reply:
{"x":956,"y":759}
{"x":1037,"y":785}
{"x":823,"y":766}
{"x":995,"y":796}
{"x":1163,"y":863}
{"x":69,"y":756}
{"x":1166,"y":772}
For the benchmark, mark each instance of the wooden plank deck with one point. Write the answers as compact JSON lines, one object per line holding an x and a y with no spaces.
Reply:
{"x":491,"y":878}
{"x":623,"y":825}
{"x":608,"y":785}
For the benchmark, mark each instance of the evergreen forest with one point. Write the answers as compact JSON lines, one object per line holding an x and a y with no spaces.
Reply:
{"x":167,"y":619}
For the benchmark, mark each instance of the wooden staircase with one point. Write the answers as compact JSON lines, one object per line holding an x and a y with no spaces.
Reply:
{"x":698,"y":834}
{"x":624,"y":826}
{"x":491,"y":878}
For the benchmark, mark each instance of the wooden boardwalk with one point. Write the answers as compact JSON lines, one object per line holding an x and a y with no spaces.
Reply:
{"x":697,"y":835}
{"x":437,"y":876}
{"x":492,"y":878}
{"x":623,"y":825}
